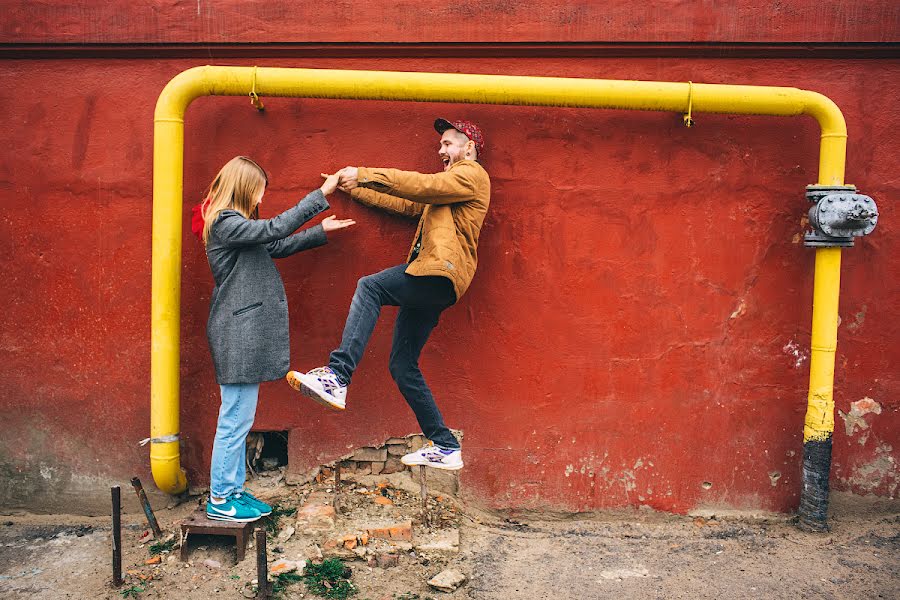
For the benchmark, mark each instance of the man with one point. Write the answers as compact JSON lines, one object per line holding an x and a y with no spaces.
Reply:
{"x":451,"y":207}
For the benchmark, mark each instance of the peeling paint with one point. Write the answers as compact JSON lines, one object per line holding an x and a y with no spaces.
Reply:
{"x":628,"y":480}
{"x":795,"y":351}
{"x":877,"y":474}
{"x":774,"y":476}
{"x":854,"y":420}
{"x":858,"y":319}
{"x":739,"y":311}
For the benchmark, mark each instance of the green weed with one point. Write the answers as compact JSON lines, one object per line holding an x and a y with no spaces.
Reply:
{"x":162,"y":546}
{"x":331,"y":580}
{"x":283,"y":580}
{"x":131,"y":592}
{"x":278,"y":511}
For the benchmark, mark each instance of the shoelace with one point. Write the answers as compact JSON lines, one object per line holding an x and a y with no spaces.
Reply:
{"x":326,"y":377}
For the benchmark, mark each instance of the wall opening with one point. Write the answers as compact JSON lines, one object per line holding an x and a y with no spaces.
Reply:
{"x":267,"y":451}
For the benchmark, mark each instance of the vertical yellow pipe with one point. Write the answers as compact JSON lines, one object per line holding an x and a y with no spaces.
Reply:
{"x":819,"y":423}
{"x":165,"y":306}
{"x":826,"y":289}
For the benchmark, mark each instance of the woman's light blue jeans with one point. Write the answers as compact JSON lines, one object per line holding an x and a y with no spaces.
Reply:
{"x":228,"y":467}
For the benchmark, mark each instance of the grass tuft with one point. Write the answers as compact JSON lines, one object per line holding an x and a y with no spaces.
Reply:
{"x":278,"y":511}
{"x":162,"y":546}
{"x":131,"y":592}
{"x":330,"y":580}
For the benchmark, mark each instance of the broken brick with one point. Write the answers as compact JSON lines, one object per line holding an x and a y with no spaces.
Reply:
{"x":386,"y":560}
{"x":397,"y":449}
{"x":443,"y":542}
{"x":400,"y":531}
{"x":285,"y":566}
{"x":330,"y":544}
{"x":370,"y":455}
{"x":392,"y":465}
{"x":315,"y":516}
{"x":447,"y":581}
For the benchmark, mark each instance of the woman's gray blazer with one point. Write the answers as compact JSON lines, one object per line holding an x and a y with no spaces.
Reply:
{"x":248,"y":316}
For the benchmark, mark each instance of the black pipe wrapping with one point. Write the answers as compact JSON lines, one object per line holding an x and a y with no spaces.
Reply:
{"x":814,"y":495}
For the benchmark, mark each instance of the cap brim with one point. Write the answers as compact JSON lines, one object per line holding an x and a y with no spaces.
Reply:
{"x":442,"y":125}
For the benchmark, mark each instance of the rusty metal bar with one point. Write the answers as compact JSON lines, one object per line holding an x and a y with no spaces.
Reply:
{"x":337,"y":487}
{"x":145,"y":504}
{"x":423,"y":491}
{"x":116,"y":536}
{"x":262,"y":567}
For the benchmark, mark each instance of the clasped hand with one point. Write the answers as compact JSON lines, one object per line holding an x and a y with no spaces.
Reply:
{"x":345,"y":180}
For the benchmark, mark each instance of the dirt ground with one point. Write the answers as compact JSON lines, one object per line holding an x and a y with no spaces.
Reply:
{"x":624,"y":555}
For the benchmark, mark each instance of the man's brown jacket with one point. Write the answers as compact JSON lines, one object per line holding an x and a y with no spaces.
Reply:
{"x":451,"y":207}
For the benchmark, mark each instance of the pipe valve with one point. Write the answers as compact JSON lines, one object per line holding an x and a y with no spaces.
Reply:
{"x":838,"y":215}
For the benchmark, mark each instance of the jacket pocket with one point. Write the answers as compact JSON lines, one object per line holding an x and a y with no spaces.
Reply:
{"x":247,"y":309}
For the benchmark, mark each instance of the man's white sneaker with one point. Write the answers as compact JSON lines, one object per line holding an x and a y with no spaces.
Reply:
{"x":321,"y":385}
{"x":436,"y":457}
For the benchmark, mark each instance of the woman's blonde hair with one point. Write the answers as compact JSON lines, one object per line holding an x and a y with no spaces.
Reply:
{"x":236,"y":187}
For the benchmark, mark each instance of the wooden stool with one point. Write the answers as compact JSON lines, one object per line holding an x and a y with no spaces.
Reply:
{"x":199,"y":523}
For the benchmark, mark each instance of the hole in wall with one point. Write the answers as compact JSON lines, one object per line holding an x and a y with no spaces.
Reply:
{"x":266,"y":451}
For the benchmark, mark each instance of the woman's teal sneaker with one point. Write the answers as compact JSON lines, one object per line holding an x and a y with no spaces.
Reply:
{"x":231,"y":510}
{"x":250,"y":500}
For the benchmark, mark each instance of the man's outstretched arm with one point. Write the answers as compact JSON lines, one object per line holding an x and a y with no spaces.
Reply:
{"x":386,"y":202}
{"x":456,"y":185}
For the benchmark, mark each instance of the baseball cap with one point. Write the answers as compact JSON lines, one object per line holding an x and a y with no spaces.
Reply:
{"x":467,"y":128}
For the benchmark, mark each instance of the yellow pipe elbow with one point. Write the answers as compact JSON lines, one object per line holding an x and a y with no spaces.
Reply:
{"x":459,"y":88}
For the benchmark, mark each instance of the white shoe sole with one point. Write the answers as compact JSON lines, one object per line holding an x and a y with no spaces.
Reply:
{"x":232,"y":519}
{"x":433,"y":465}
{"x":309,"y":387}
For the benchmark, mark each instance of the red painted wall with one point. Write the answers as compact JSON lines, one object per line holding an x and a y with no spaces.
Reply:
{"x":205,"y":21}
{"x":639,"y":324}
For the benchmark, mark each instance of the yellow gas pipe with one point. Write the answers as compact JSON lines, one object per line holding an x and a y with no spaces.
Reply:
{"x":168,"y":153}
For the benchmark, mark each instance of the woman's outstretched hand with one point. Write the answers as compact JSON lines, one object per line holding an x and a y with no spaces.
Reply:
{"x":332,"y":223}
{"x":331,"y":183}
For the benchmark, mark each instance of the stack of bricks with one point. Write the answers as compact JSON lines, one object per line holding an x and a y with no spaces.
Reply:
{"x":384,"y":459}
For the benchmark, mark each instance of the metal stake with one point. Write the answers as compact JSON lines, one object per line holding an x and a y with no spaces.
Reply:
{"x":424,"y":492}
{"x":337,"y":487}
{"x":116,"y":536}
{"x":262,"y":567}
{"x":145,"y":504}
